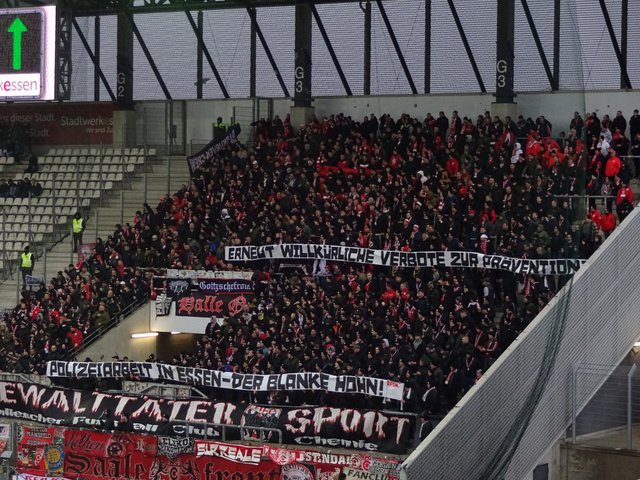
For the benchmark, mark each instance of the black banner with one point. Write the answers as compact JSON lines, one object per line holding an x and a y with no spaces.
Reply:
{"x":181,"y":287}
{"x":211,"y":305}
{"x":171,"y":447}
{"x":212,"y":149}
{"x":225,"y":286}
{"x":308,"y":426}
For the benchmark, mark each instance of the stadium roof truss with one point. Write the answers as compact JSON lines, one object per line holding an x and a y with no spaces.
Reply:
{"x":305,"y":14}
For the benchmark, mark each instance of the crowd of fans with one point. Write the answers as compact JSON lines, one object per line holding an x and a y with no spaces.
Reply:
{"x":20,"y":189}
{"x":52,"y":323}
{"x":486,"y":185}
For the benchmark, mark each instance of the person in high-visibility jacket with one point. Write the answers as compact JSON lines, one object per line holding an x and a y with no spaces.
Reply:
{"x":219,"y":130}
{"x":27,"y":260}
{"x":77,"y":227}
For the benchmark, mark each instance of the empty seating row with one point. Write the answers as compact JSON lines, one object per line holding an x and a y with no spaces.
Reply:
{"x":18,"y":201}
{"x":36,"y":232}
{"x":67,"y":197}
{"x":84,"y":185}
{"x":59,"y":208}
{"x":53,"y":201}
{"x":64,"y":193}
{"x":71,"y":174}
{"x":73,"y":184}
{"x":41,"y":201}
{"x":91,"y":160}
{"x":22,"y":237}
{"x":23,"y":210}
{"x":7,"y":160}
{"x":97,"y":151}
{"x":11,"y":219}
{"x":10,"y":248}
{"x":86,"y":168}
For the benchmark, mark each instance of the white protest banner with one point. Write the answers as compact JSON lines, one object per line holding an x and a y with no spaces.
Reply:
{"x":236,"y":381}
{"x":247,"y":454}
{"x":395,"y":258}
{"x":353,"y":474}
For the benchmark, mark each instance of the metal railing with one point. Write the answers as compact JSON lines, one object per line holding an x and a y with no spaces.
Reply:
{"x":169,"y":391}
{"x":24,"y":377}
{"x":522,"y":406}
{"x":210,"y":430}
{"x":611,"y":416}
{"x":72,"y":180}
{"x":579,"y":204}
{"x":104,"y":329}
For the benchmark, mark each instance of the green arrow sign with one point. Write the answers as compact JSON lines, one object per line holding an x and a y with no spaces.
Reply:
{"x":17,"y":27}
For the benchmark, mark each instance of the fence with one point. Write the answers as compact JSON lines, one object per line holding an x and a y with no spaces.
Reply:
{"x":523,"y":405}
{"x":106,"y":185}
{"x":72,"y":179}
{"x":114,"y":322}
{"x":162,"y":390}
{"x":25,"y":377}
{"x":38,"y":212}
{"x":610,"y":418}
{"x":246,"y":433}
{"x":245,"y":116}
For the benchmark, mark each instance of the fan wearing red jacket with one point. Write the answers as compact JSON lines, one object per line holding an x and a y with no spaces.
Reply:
{"x":607,"y":223}
{"x":452,"y":166}
{"x":624,"y":202}
{"x":533,"y":145}
{"x":76,"y":337}
{"x":595,"y":216}
{"x":612,"y":168}
{"x":625,"y":193}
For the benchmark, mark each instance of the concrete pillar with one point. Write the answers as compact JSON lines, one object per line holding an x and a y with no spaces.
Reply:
{"x":301,"y":116}
{"x":504,"y":51}
{"x":124,"y":61}
{"x":302,"y":110}
{"x":302,"y":73}
{"x":124,"y":128}
{"x":504,"y":110}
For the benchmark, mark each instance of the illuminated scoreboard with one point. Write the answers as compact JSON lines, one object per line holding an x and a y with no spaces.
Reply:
{"x":28,"y":53}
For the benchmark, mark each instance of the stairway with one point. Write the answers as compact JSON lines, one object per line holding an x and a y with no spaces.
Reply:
{"x":161,"y":175}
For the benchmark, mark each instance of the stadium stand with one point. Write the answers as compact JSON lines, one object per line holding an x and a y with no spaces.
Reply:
{"x":487,"y":185}
{"x":41,"y":201}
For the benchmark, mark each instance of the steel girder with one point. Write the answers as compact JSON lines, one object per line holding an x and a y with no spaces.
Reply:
{"x":111,"y":7}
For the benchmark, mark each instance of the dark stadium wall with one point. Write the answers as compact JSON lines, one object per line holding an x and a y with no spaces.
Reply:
{"x":119,"y":341}
{"x":609,"y":464}
{"x":170,"y":345}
